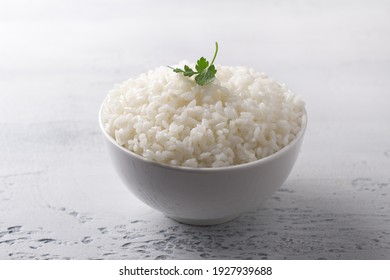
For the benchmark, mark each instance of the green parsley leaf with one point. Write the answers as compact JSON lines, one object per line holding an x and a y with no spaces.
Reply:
{"x":207,"y":76}
{"x":205,"y":71}
{"x":201,"y":64}
{"x":188,"y":72}
{"x":176,"y":70}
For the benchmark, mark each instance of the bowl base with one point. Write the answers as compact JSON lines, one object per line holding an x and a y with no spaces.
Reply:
{"x":203,"y":222}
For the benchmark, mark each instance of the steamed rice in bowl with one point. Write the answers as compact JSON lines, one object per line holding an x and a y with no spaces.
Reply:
{"x":242,"y":116}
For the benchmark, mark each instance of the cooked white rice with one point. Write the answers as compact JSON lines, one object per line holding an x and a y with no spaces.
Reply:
{"x":241,"y":117}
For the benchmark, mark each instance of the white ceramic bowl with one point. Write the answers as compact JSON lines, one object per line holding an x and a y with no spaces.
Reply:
{"x":203,"y":196}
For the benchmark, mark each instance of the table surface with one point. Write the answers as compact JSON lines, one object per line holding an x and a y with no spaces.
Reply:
{"x":59,"y":195}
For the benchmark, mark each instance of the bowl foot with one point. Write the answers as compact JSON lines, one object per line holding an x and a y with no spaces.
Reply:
{"x":203,"y":222}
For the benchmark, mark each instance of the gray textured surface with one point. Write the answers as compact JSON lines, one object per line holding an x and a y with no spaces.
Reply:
{"x":59,"y":196}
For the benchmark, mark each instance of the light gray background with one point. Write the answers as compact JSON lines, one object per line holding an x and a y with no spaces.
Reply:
{"x":59,"y":195}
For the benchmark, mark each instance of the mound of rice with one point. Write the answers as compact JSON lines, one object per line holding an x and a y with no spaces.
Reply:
{"x":241,"y":117}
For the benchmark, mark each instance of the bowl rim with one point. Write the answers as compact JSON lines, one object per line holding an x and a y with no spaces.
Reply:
{"x":271,"y":157}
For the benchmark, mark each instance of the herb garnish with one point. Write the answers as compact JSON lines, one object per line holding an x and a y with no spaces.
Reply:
{"x":205,"y":72}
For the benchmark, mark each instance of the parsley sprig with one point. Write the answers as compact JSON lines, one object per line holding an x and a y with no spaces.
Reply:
{"x":205,"y":71}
